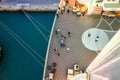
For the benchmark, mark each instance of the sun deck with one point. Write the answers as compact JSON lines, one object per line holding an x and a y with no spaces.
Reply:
{"x":74,"y":51}
{"x":77,"y":53}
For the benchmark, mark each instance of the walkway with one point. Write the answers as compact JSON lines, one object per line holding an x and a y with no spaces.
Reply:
{"x":69,"y":22}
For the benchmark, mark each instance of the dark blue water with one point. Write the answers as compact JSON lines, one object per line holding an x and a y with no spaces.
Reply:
{"x":17,"y":63}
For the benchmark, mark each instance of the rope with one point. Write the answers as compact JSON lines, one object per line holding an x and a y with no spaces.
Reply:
{"x":9,"y":31}
{"x":36,"y":26}
{"x":24,"y":42}
{"x":39,"y":23}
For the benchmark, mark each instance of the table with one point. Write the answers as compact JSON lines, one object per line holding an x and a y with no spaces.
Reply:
{"x":76,"y":67}
{"x":51,"y":75}
{"x":70,"y":71}
{"x":70,"y":74}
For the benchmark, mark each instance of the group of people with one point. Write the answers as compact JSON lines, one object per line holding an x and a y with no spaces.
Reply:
{"x":62,"y":9}
{"x":61,"y":39}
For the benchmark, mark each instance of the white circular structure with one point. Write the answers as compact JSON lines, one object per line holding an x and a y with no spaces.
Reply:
{"x":95,"y":39}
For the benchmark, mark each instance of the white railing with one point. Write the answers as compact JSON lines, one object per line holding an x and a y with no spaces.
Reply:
{"x":52,"y":31}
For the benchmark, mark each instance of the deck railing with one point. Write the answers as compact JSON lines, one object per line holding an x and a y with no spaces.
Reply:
{"x":51,"y":34}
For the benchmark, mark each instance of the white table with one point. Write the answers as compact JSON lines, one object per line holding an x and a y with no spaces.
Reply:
{"x":51,"y":75}
{"x":76,"y":67}
{"x":70,"y":71}
{"x":70,"y":74}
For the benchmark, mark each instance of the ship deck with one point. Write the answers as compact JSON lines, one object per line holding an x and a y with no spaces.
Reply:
{"x":78,"y":53}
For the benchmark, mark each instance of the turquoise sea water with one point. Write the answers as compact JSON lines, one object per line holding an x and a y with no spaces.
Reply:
{"x":20,"y":61}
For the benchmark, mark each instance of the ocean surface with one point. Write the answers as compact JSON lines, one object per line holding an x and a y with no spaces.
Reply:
{"x":24,"y":39}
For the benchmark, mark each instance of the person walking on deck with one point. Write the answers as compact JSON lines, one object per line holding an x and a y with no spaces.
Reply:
{"x":58,"y":54}
{"x":55,"y":49}
{"x":57,"y":15}
{"x":58,"y":30}
{"x":68,"y":10}
{"x":69,"y":34}
{"x":57,"y":38}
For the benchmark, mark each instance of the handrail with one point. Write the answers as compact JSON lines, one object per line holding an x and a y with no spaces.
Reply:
{"x":51,"y":34}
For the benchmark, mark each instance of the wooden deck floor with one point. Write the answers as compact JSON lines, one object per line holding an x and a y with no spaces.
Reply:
{"x":78,"y":53}
{"x":69,"y":22}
